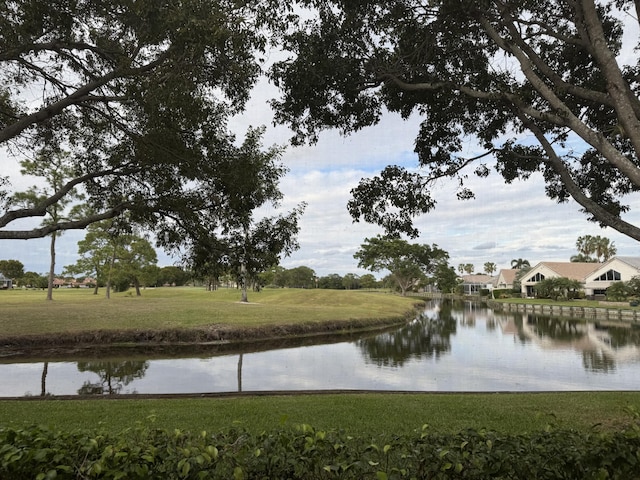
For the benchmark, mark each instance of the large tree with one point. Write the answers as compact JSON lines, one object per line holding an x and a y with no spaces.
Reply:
{"x":137,"y":90}
{"x":232,"y":233}
{"x":408,"y":263}
{"x":542,"y":86}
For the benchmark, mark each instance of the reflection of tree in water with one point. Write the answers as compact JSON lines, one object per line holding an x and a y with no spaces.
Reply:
{"x":560,"y":329}
{"x":598,"y":361}
{"x":424,"y":337}
{"x":113,"y":376}
{"x":623,"y":336}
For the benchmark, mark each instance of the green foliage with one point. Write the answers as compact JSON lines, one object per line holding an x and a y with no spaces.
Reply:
{"x":594,"y":249}
{"x":558,"y":288}
{"x":484,"y":70}
{"x":618,"y":291}
{"x":520,"y":263}
{"x":138,"y":92}
{"x":446,"y":278}
{"x":13,"y":269}
{"x":304,"y":452}
{"x":408,"y":263}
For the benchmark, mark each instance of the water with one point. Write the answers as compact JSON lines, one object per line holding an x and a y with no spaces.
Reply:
{"x":451,"y":347}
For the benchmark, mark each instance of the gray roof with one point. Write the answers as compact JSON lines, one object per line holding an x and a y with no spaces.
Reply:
{"x":633,"y":261}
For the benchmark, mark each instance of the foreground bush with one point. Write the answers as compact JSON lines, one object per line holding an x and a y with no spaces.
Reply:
{"x":306,"y":453}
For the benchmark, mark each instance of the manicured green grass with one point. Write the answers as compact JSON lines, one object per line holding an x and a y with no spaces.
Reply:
{"x":78,"y":310}
{"x":373,"y":415}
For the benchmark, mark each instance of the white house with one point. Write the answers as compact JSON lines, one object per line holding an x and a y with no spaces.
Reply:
{"x":473,"y":284}
{"x":5,"y":283}
{"x":596,"y":277}
{"x":505,"y":278}
{"x":572,"y":270}
{"x":617,"y":269}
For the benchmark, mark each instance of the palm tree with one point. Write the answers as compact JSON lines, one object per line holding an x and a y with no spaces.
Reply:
{"x":582,"y":258}
{"x":489,"y":268}
{"x":519,"y":263}
{"x":604,"y":248}
{"x":601,"y":247}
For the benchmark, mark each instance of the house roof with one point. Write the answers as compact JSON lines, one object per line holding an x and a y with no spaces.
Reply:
{"x":484,"y":279}
{"x":571,"y":270}
{"x":508,"y":275}
{"x":633,"y":261}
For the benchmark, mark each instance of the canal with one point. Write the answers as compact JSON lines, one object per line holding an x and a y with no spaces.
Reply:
{"x":452,"y":346}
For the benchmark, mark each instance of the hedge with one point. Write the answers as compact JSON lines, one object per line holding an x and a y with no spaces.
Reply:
{"x":303,"y":452}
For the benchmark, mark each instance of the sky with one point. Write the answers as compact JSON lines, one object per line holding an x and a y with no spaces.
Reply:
{"x":502,"y":223}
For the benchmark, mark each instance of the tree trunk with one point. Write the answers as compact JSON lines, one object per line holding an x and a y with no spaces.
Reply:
{"x":111,"y":264}
{"x":136,"y":284}
{"x":243,"y":282}
{"x":52,"y":266}
{"x":43,"y":379}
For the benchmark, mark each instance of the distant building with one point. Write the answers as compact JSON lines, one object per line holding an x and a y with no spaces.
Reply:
{"x":5,"y":283}
{"x":572,"y":270}
{"x":505,"y":278}
{"x":474,"y":284}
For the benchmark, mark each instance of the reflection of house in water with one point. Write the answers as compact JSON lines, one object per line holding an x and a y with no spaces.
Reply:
{"x":601,"y":349}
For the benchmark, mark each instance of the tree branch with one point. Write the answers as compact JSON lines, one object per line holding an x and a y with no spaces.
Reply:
{"x":575,"y":191}
{"x":79,"y":96}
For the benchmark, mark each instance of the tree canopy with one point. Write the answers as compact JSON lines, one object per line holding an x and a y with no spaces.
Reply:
{"x":544,"y":87}
{"x":137,"y":91}
{"x":407,"y":262}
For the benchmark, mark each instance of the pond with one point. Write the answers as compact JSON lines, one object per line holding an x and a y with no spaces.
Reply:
{"x":450,"y":347}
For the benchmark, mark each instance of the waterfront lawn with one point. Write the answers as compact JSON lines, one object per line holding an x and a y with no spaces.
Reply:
{"x":26,"y":312}
{"x":371,"y":414}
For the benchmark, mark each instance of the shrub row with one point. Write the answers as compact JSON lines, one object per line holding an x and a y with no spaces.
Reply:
{"x":306,"y":453}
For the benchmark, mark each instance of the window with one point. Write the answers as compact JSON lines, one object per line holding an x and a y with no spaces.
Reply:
{"x":538,"y":277}
{"x":609,"y":276}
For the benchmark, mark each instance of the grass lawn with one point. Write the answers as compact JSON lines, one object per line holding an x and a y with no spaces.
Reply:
{"x":78,"y":310}
{"x":374,"y":415}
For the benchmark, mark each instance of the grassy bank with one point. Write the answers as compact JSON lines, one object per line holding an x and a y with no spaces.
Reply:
{"x":77,"y":310}
{"x":374,"y":415}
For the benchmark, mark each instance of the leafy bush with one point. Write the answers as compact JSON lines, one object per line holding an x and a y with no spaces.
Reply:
{"x":618,"y":291}
{"x":304,"y":452}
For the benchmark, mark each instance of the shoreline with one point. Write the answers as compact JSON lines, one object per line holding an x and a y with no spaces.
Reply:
{"x":214,"y":337}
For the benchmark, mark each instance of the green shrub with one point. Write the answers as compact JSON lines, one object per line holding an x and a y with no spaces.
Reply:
{"x":306,"y":453}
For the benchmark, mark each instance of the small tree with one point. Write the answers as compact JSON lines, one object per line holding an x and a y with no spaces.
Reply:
{"x":368,"y":281}
{"x":408,"y":263}
{"x":557,"y":288}
{"x":520,"y":263}
{"x":55,"y":169}
{"x":13,"y":269}
{"x":489,"y":268}
{"x":446,"y":278}
{"x":618,"y":291}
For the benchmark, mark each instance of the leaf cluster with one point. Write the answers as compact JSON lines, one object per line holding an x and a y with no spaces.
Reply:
{"x":306,"y":452}
{"x":137,"y":92}
{"x":536,"y":84}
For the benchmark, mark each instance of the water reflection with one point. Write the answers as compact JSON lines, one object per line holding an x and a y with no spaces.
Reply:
{"x":452,"y":346}
{"x":601,"y":345}
{"x":112,"y":376}
{"x":427,"y":336}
